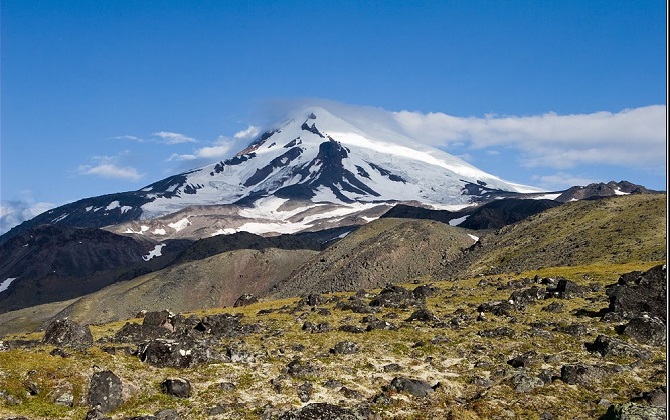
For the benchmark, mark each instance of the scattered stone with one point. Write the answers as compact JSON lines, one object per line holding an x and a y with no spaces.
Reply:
{"x":497,"y":332}
{"x":423,"y":315}
{"x":176,"y":387}
{"x":392,"y":367}
{"x":238,"y":355}
{"x":584,"y":375}
{"x":380,"y":324}
{"x":105,"y":391}
{"x":497,"y":308}
{"x":647,"y":330}
{"x":424,"y":291}
{"x":167,"y":414}
{"x":244,"y":300}
{"x":305,"y":392}
{"x":632,"y":411}
{"x":657,"y":396}
{"x":554,"y":307}
{"x":414,"y":387}
{"x":297,"y":368}
{"x":179,"y":354}
{"x":226,"y":386}
{"x":322,"y":327}
{"x":67,"y":333}
{"x":351,"y":394}
{"x":332,"y":384}
{"x":63,"y":395}
{"x":355,"y":305}
{"x":608,"y":346}
{"x":225,"y":325}
{"x":567,"y":289}
{"x":345,"y":347}
{"x":523,"y":360}
{"x":60,"y":353}
{"x":525,"y":383}
{"x":351,"y":329}
{"x":524,"y":297}
{"x":636,"y":293}
{"x":393,"y":296}
{"x":319,"y":411}
{"x":576,"y":330}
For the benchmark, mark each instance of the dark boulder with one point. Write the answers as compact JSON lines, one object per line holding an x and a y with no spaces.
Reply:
{"x":224,"y":325}
{"x":497,"y":308}
{"x":177,"y":354}
{"x":554,"y":307}
{"x":345,"y":347}
{"x":423,"y":315}
{"x":161,"y":319}
{"x":176,"y":387}
{"x":647,"y":329}
{"x":105,"y":391}
{"x":67,"y":333}
{"x":414,"y":387}
{"x":608,"y":346}
{"x":637,"y":293}
{"x":393,"y":296}
{"x":585,"y":375}
{"x":567,"y":289}
{"x":244,"y":300}
{"x":521,"y":298}
{"x":424,"y":291}
{"x":356,"y":305}
{"x":319,"y":411}
{"x":497,"y":332}
{"x":632,"y":411}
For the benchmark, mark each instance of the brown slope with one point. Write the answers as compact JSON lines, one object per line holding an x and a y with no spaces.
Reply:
{"x":611,"y":230}
{"x":383,"y":251}
{"x":212,"y":282}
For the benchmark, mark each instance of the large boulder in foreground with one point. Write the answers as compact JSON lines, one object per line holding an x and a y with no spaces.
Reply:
{"x":637,"y":293}
{"x":105,"y":392}
{"x":67,"y":333}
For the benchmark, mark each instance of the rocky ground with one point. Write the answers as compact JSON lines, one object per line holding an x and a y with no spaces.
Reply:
{"x":564,"y":342}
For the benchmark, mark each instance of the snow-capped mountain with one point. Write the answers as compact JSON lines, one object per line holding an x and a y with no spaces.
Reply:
{"x":315,"y":161}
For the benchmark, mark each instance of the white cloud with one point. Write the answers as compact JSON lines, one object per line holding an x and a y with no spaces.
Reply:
{"x":173,"y":138}
{"x":250,"y":133}
{"x":14,"y":212}
{"x":131,"y":138}
{"x":222,"y":147}
{"x":632,"y":137}
{"x":110,"y":170}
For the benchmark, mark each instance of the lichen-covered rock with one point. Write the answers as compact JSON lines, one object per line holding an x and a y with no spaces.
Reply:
{"x":345,"y":347}
{"x":67,"y":333}
{"x":178,"y":354}
{"x":176,"y":387}
{"x":647,"y":329}
{"x":106,"y":391}
{"x":637,"y":293}
{"x":414,"y":387}
{"x":608,"y":346}
{"x":244,"y":300}
{"x":632,"y":411}
{"x":585,"y":375}
{"x":319,"y":411}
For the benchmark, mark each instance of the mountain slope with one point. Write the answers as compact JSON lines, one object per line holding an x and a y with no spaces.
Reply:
{"x":610,"y":230}
{"x":316,"y":158}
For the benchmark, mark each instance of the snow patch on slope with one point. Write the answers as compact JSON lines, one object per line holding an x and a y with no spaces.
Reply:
{"x":5,"y":284}
{"x":156,"y":252}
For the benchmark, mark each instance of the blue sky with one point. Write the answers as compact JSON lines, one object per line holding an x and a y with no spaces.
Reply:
{"x":97,"y":96}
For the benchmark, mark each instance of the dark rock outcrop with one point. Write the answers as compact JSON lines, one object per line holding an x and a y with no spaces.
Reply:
{"x":647,"y":330}
{"x":67,"y":333}
{"x":244,"y":300}
{"x":636,"y":293}
{"x":319,"y":411}
{"x":105,"y":392}
{"x":414,"y":387}
{"x":176,"y":387}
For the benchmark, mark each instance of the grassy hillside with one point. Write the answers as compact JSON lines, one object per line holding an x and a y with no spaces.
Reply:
{"x":383,"y":251}
{"x":477,"y":369}
{"x":607,"y":231}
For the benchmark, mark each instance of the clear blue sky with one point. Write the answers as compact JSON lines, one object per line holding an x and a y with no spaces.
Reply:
{"x":94,"y":93}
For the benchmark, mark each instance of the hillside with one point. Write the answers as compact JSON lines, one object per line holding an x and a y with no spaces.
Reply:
{"x":610,"y":230}
{"x":454,"y":350}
